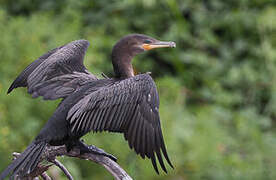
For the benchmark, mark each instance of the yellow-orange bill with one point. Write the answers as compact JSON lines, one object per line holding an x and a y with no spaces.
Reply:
{"x":159,"y":44}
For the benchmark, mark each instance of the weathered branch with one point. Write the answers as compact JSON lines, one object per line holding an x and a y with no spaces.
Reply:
{"x":45,"y":176}
{"x":51,"y":152}
{"x":63,"y":168}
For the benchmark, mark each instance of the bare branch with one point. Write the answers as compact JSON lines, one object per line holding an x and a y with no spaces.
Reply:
{"x":51,"y":152}
{"x":63,"y":168}
{"x":45,"y":176}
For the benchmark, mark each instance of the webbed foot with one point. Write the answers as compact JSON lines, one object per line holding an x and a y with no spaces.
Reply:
{"x":84,"y":148}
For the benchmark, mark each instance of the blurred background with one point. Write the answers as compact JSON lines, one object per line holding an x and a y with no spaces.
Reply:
{"x":217,"y":88}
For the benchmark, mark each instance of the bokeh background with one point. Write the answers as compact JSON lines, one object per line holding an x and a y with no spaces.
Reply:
{"x":217,"y":88}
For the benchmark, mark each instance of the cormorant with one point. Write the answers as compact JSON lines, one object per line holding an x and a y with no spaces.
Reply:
{"x":127,"y":103}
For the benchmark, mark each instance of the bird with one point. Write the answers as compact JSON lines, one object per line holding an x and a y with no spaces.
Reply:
{"x":126,"y":103}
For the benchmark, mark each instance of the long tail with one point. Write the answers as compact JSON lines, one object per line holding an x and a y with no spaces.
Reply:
{"x":26,"y":162}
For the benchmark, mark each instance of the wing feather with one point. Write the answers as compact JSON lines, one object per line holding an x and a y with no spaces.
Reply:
{"x":122,"y":115}
{"x":94,"y":119}
{"x":139,"y":138}
{"x":164,"y":148}
{"x":159,"y":154}
{"x":82,"y":122}
{"x":106,"y":113}
{"x":101,"y":119}
{"x":136,"y":138}
{"x":137,"y":141}
{"x":98,"y":121}
{"x":150,"y":149}
{"x":57,"y":73}
{"x":118,"y":110}
{"x":129,"y":106}
{"x":130,"y":129}
{"x":21,"y":80}
{"x":85,"y":123}
{"x":143,"y":139}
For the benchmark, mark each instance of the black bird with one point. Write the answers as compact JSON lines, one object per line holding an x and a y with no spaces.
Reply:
{"x":127,"y":103}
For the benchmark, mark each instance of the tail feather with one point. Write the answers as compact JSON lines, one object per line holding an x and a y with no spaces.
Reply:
{"x":15,"y":163}
{"x":26,"y":162}
{"x":34,"y":161}
{"x":21,"y":167}
{"x":22,"y":163}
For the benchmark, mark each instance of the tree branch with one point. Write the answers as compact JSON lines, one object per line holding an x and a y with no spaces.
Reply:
{"x":45,"y":176}
{"x":63,"y":168}
{"x":51,"y":152}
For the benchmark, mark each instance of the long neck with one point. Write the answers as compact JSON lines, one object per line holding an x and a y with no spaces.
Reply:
{"x":122,"y":64}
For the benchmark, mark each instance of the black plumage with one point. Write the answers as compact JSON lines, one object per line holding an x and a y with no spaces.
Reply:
{"x":126,"y":104}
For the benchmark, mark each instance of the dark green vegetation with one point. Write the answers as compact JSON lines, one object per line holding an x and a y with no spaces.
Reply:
{"x":217,"y":88}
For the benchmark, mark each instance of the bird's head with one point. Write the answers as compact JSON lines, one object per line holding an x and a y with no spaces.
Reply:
{"x":134,"y":44}
{"x":129,"y":46}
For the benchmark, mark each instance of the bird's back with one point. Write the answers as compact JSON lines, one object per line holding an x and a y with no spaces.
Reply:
{"x":57,"y":130}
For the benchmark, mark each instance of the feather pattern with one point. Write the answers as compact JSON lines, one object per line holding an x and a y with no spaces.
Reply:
{"x":57,"y":73}
{"x":129,"y":106}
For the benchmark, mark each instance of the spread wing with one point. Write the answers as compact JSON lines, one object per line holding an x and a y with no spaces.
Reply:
{"x":129,"y":106}
{"x":57,"y":73}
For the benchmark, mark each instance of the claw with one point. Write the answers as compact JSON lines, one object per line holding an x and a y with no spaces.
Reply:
{"x":110,"y":156}
{"x":97,"y":150}
{"x":93,"y":149}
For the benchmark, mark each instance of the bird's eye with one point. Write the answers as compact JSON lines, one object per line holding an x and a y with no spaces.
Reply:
{"x":147,"y":41}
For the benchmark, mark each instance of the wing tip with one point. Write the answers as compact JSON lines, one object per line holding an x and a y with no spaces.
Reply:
{"x":166,"y":156}
{"x":169,"y":162}
{"x":82,"y":42}
{"x":13,"y":86}
{"x":153,"y":161}
{"x":9,"y":90}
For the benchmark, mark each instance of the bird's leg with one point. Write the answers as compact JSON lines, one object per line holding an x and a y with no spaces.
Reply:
{"x":84,"y":148}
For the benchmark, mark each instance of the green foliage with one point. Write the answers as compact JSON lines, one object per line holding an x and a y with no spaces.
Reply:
{"x":217,"y":88}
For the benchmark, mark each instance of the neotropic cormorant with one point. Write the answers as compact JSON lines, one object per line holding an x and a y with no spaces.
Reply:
{"x":126,"y":104}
